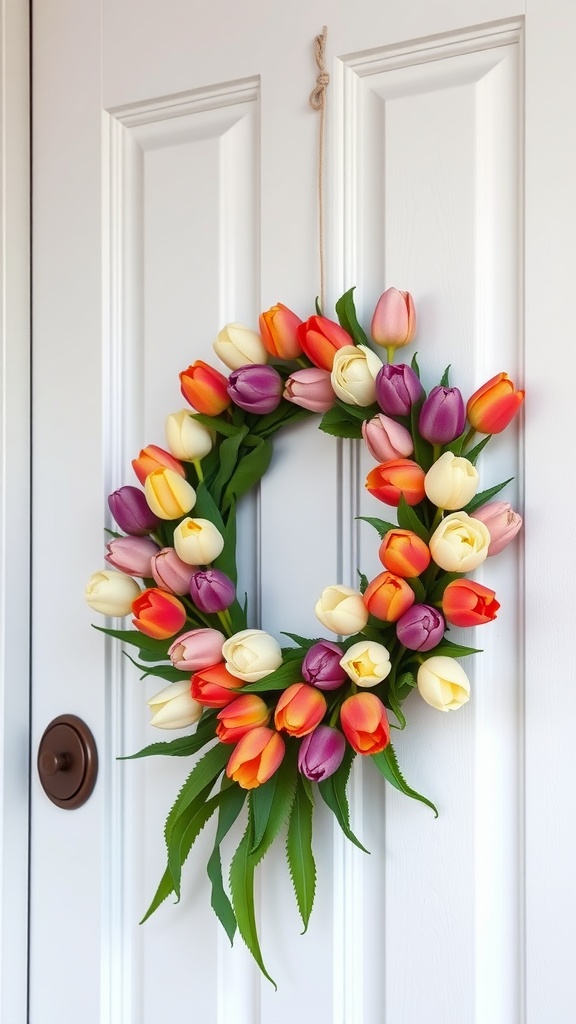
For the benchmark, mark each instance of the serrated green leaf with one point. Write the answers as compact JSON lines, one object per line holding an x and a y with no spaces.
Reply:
{"x":333,"y":792}
{"x":451,"y":650}
{"x":186,"y":830}
{"x":287,"y":673}
{"x":164,"y":890}
{"x":299,"y":852}
{"x":183,"y":746}
{"x":363,"y":584}
{"x":337,"y":423}
{"x":346,"y":313}
{"x":133,"y":636}
{"x":242,"y":890}
{"x":232,"y":802}
{"x":473,"y":454}
{"x":414,"y":365}
{"x":445,"y":382}
{"x":485,"y":496}
{"x":271,"y":804}
{"x":204,"y":773}
{"x":302,"y":641}
{"x":381,"y":526}
{"x":408,"y":519}
{"x":166,"y":672}
{"x":387,"y":764}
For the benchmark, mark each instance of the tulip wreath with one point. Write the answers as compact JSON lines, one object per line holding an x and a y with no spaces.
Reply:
{"x":279,"y":727}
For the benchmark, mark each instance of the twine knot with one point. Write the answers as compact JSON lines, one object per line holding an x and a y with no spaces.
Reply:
{"x":318,"y":94}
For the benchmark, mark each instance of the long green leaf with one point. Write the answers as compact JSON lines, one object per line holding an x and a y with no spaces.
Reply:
{"x":138,"y":639}
{"x":473,"y":454}
{"x":271,"y":804}
{"x":387,"y":765}
{"x":485,"y":496}
{"x":226,"y":560}
{"x":205,"y":771}
{"x":242,"y":890}
{"x":333,"y":793}
{"x":232,"y":802}
{"x":183,"y":746}
{"x":228,"y":454}
{"x":186,"y":830}
{"x":218,"y":424}
{"x":451,"y":649}
{"x":249,"y":471}
{"x":206,"y":508}
{"x":164,"y":890}
{"x":408,"y":519}
{"x":380,"y":525}
{"x":299,"y":852}
{"x":346,"y":313}
{"x":287,"y":673}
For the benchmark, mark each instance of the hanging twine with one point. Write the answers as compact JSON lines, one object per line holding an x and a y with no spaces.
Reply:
{"x":318,"y":102}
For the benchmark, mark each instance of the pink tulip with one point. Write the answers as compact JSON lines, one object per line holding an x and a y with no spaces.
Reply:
{"x":132,"y":555}
{"x":171,"y":573}
{"x":197,"y":649}
{"x":311,"y":389}
{"x":394,"y":320}
{"x":502,"y":521}
{"x":386,"y":439}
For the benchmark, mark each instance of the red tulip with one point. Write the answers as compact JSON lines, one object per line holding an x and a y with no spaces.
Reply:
{"x":365,"y":723}
{"x":246,"y":712}
{"x":491,"y":407}
{"x":320,"y":339}
{"x":215,"y":686}
{"x":466,"y":603}
{"x":205,"y":388}
{"x":391,"y":480}
{"x":158,"y":614}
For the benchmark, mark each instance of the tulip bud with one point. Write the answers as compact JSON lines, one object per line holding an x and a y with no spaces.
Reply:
{"x":392,"y":480}
{"x":443,"y":683}
{"x":237,"y":345}
{"x":310,"y":389}
{"x":420,"y":628}
{"x":366,"y":663}
{"x":386,"y":439}
{"x":197,"y":649}
{"x":256,"y":757}
{"x":321,"y":666}
{"x":197,"y":541}
{"x":353,"y":376}
{"x":187,"y":438}
{"x":168,"y":495}
{"x":249,"y":711}
{"x":394,"y":319}
{"x":132,"y":512}
{"x":442,"y":415}
{"x":171,"y":573}
{"x":111,"y":593}
{"x":451,"y":482}
{"x":320,"y":339}
{"x":212,"y":591}
{"x":387,"y":597}
{"x":153,"y":457}
{"x":342,"y":610}
{"x":252,"y":654}
{"x":466,"y":603}
{"x":502,"y":522}
{"x":459,"y":543}
{"x":174,"y":707}
{"x":158,"y":614}
{"x":299,"y":710}
{"x":256,"y":389}
{"x":491,"y":407}
{"x":365,"y":723}
{"x":397,"y":388}
{"x":321,"y":753}
{"x":278,"y":327}
{"x":215,"y":686}
{"x":205,"y":388}
{"x":132,"y":555}
{"x":404,"y":553}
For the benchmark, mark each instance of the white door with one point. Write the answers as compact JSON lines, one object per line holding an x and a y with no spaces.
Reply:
{"x":175,"y":190}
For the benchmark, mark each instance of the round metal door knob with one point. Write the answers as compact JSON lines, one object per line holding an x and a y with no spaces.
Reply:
{"x":67,"y":762}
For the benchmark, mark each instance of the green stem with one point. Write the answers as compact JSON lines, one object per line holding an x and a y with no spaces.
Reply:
{"x":437,"y":519}
{"x":390,"y":350}
{"x":198,"y":467}
{"x":226,"y":621}
{"x":469,"y":436}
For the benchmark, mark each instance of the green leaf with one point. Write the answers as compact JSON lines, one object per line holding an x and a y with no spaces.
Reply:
{"x":363,"y":585}
{"x":445,"y":382}
{"x":249,"y":471}
{"x":242,"y":891}
{"x":302,"y":641}
{"x":166,"y":672}
{"x":423,"y":450}
{"x":414,"y":365}
{"x":380,"y":525}
{"x":186,"y":830}
{"x":272,"y":802}
{"x":358,"y":412}
{"x":346,"y":313}
{"x":408,"y":520}
{"x":231,"y":804}
{"x":183,"y":746}
{"x":206,"y":508}
{"x":299,"y":852}
{"x":451,"y":650}
{"x":204,"y":773}
{"x":437,"y":591}
{"x":387,"y":764}
{"x":473,"y":454}
{"x":226,"y":560}
{"x":228,"y":457}
{"x":419,"y":589}
{"x":221,"y":426}
{"x":165,"y":888}
{"x":485,"y":496}
{"x":287,"y":673}
{"x":339,"y":424}
{"x":133,"y":636}
{"x":333,"y":793}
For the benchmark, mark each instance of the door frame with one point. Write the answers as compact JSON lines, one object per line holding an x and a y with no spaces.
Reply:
{"x":15,"y":501}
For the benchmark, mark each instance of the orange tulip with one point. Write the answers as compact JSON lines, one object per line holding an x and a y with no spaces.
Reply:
{"x":215,"y":686}
{"x":404,"y":553}
{"x":365,"y":723}
{"x":466,"y":603}
{"x":490,"y":409}
{"x":256,"y":757}
{"x":246,"y":712}
{"x":158,"y":614}
{"x":320,"y":339}
{"x":278,"y":327}
{"x":389,"y":481}
{"x":205,"y":388}
{"x":152,"y":457}
{"x":388,"y":596}
{"x":300,"y":709}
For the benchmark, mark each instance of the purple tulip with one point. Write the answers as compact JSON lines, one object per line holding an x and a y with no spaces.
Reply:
{"x":321,"y":666}
{"x":420,"y":628}
{"x":256,"y":388}
{"x":321,"y":753}
{"x":211,"y":590}
{"x":171,"y":573}
{"x":442,"y":415}
{"x":131,"y":511}
{"x":397,"y":388}
{"x":132,"y":555}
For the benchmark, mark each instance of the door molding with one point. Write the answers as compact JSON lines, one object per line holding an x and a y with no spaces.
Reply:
{"x":14,"y":504}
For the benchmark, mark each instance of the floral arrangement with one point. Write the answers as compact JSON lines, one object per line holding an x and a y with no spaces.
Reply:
{"x":279,"y":726}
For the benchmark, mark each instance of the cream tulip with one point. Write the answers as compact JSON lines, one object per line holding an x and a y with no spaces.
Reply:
{"x":237,"y":346}
{"x":197,"y":541}
{"x":354,"y":373}
{"x":460,"y":543}
{"x":451,"y":482}
{"x":174,"y":707}
{"x":187,"y":439}
{"x":251,"y":654}
{"x":443,"y":683}
{"x":111,"y":593}
{"x":168,"y":494}
{"x":342,"y":610}
{"x":366,"y":663}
